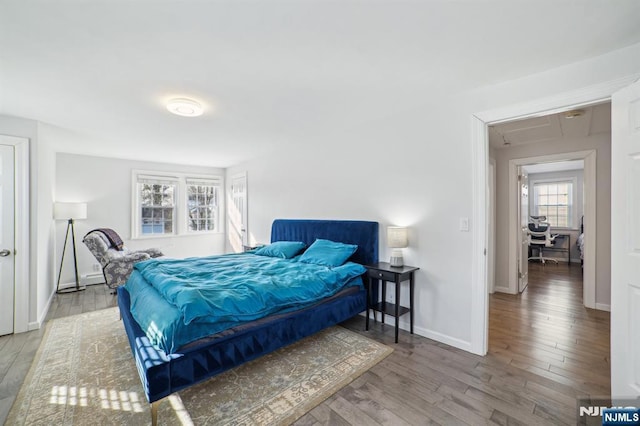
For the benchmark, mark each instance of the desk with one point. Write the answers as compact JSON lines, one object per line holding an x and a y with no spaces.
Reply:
{"x":567,"y":248}
{"x":386,"y":273}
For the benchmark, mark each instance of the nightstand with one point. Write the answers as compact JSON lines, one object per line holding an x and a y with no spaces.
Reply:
{"x":386,"y":273}
{"x":251,"y":248}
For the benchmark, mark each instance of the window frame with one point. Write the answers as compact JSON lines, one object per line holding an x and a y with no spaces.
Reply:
{"x":180,"y":212}
{"x":156,"y":180}
{"x":573,"y":198}
{"x":215,"y":183}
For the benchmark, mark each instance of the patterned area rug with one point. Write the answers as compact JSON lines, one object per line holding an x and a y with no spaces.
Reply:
{"x":84,"y":374}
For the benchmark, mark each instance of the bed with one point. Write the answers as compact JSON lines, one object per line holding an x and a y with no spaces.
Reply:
{"x":164,"y":372}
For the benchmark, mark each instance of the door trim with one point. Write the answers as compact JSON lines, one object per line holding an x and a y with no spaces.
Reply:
{"x":21,"y":188}
{"x":491,"y":267}
{"x":480,"y":153}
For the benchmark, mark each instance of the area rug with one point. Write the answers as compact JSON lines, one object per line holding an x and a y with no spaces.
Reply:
{"x":84,"y":374}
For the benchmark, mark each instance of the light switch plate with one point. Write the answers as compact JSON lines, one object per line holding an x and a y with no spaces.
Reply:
{"x":464,"y":224}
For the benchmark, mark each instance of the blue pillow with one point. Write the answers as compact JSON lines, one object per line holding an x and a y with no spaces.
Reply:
{"x":281,"y":249}
{"x":328,"y":253}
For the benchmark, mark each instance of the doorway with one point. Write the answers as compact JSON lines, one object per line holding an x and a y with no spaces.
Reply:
{"x":480,"y":158}
{"x":555,"y":150}
{"x":237,"y":212}
{"x":588,"y":159}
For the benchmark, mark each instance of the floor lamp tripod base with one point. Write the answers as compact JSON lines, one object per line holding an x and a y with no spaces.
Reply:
{"x":77,"y":287}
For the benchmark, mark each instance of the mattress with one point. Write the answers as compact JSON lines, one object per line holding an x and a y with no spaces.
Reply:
{"x":265,"y":286}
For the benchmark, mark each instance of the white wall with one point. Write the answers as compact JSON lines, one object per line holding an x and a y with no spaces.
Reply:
{"x":46,"y":231}
{"x":415,"y":169}
{"x":390,"y":171}
{"x":105,"y":184}
{"x":574,"y":231}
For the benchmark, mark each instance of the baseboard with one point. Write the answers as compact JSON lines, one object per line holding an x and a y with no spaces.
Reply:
{"x":443,"y":338}
{"x":89,"y":279}
{"x":603,"y":307}
{"x":69,"y":285}
{"x":35,"y":325}
{"x":500,"y":289}
{"x":429,"y":334}
{"x":85,"y":280}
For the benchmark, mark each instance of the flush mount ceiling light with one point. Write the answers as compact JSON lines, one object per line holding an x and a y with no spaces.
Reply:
{"x":573,"y":113}
{"x":184,"y":107}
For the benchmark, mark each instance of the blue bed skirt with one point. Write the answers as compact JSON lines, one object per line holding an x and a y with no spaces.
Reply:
{"x":162,"y":375}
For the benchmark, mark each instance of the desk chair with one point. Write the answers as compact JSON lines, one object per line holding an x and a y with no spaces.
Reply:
{"x":539,"y":237}
{"x":537,"y":219}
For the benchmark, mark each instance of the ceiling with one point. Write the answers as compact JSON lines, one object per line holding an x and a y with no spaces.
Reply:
{"x":572,"y":124}
{"x":272,"y":73}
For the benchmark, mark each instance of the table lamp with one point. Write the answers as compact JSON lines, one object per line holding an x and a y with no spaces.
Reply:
{"x":69,"y":212}
{"x":397,"y":240}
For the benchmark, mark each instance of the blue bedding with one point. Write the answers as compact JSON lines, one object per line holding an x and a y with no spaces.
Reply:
{"x":177,"y":301}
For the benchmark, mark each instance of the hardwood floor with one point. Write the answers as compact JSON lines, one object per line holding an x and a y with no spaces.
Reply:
{"x":545,"y":351}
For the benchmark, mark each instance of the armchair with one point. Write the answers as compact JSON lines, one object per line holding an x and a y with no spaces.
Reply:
{"x":540,"y":236}
{"x":116,"y":264}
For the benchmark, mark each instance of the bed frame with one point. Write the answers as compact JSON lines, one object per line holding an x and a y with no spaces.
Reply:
{"x":162,"y":374}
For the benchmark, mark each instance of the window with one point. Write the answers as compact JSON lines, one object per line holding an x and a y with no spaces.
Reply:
{"x":157,"y":205}
{"x":555,"y":200}
{"x":174,"y":204}
{"x":202,"y":205}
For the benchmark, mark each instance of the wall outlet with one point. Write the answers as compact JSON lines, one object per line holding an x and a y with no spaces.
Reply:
{"x":391,"y":298}
{"x":96,"y":267}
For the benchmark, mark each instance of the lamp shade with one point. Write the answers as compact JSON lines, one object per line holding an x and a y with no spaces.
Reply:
{"x":64,"y":211}
{"x":397,"y":237}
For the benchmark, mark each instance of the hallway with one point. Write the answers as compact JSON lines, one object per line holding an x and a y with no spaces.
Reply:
{"x":548,"y":332}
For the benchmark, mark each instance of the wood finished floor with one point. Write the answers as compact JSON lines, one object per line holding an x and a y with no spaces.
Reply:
{"x":545,"y":351}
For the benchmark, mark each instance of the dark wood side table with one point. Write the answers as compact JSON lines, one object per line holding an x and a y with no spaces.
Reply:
{"x":386,"y":273}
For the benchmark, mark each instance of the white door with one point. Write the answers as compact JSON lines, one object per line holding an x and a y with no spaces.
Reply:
{"x":625,"y":243}
{"x":523,"y":223}
{"x":238,"y":233}
{"x":7,"y":265}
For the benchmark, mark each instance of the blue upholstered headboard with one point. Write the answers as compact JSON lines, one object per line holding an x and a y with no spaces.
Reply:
{"x":362,"y":233}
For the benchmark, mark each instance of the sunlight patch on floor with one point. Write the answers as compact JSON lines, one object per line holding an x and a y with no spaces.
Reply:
{"x":108,"y":399}
{"x":180,"y":410}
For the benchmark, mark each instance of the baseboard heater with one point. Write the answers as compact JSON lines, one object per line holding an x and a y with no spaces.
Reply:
{"x":91,"y":279}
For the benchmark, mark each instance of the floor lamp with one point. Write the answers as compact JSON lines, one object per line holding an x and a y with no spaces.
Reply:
{"x":69,"y":212}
